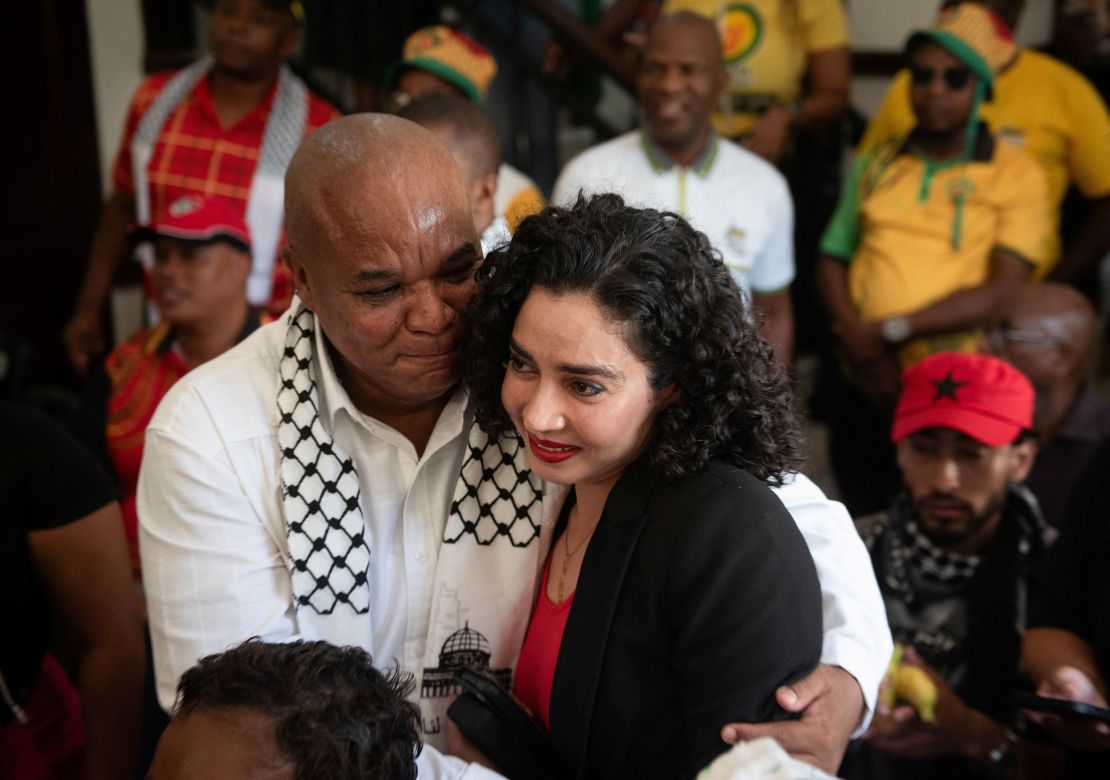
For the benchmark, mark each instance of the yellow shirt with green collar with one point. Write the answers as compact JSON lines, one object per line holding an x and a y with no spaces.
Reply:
{"x":1040,"y":105}
{"x":899,"y":228}
{"x":765,"y":45}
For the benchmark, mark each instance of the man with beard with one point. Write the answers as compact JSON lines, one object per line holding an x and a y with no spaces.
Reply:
{"x":951,"y":556}
{"x":225,"y":128}
{"x":678,"y":163}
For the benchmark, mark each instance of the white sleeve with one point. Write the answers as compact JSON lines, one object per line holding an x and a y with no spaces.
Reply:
{"x":213,"y":574}
{"x":570,"y":182}
{"x":773,"y":270}
{"x":433,"y":765}
{"x":856,"y":635}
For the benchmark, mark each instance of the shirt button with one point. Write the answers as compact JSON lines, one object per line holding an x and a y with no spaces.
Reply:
{"x":420,"y":556}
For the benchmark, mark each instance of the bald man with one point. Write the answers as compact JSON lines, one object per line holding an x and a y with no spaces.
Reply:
{"x":678,"y":163}
{"x":1048,"y":332}
{"x":323,"y":479}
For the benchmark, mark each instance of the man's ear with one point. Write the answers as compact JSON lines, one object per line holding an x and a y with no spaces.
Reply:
{"x":720,"y":83}
{"x":291,"y":43}
{"x":1021,"y":460}
{"x":483,"y":194}
{"x":301,"y":284}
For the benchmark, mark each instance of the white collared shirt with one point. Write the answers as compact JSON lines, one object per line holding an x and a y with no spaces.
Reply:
{"x":213,"y":534}
{"x":740,"y":201}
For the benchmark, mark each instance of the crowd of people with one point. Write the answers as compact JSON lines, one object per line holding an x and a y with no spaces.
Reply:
{"x":412,"y":474}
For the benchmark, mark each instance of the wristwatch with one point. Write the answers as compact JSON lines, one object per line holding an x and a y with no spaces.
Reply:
{"x":895,"y":329}
{"x":1000,"y":761}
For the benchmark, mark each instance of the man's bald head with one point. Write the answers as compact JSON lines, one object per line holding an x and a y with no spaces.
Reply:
{"x":382,"y":250}
{"x":680,"y":82}
{"x":690,"y":25}
{"x":1046,"y":331}
{"x":1056,"y":310}
{"x":359,"y":162}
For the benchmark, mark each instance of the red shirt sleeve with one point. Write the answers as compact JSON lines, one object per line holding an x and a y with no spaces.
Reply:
{"x":320,"y":112}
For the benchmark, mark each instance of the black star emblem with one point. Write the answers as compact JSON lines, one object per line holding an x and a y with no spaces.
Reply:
{"x":946,"y":388}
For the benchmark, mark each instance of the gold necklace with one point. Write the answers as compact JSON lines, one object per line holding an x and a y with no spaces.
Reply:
{"x":569,"y":554}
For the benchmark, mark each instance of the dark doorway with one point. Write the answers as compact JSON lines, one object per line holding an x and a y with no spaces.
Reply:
{"x":51,"y":182}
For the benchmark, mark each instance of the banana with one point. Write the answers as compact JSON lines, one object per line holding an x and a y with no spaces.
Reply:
{"x":887,"y":697}
{"x":914,"y":687}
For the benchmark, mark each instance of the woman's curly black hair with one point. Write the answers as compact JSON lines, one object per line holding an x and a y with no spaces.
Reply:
{"x":335,"y":715}
{"x":682,"y":315}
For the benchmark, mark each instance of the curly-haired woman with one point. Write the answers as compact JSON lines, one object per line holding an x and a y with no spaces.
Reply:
{"x":678,"y":593}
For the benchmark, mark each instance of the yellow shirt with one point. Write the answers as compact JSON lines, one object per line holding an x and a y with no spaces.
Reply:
{"x":895,"y":223}
{"x":1042,"y":106}
{"x":766,"y":43}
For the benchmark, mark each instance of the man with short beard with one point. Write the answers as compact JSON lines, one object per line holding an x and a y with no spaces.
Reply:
{"x":951,"y":556}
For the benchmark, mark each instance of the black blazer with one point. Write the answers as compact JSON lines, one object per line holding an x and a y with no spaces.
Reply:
{"x":696,"y":600}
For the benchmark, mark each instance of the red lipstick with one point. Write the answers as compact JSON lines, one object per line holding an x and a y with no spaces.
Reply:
{"x":551,"y":451}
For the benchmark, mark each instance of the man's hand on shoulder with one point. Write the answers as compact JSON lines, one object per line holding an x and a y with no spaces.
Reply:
{"x":831,"y":705}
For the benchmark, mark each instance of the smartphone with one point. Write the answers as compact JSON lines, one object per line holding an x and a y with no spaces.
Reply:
{"x":1031,"y":701}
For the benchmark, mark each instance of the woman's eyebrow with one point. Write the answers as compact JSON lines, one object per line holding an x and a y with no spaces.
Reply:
{"x":569,"y":368}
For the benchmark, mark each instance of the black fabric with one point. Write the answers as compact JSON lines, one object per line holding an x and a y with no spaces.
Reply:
{"x":1061,"y":459}
{"x":696,"y":599}
{"x":992,"y":645}
{"x":861,"y":454}
{"x":46,"y":480}
{"x":503,"y":730}
{"x":1073,"y":581}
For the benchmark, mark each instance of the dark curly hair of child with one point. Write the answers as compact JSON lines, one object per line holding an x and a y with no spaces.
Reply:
{"x":681,"y":313}
{"x":335,"y":715}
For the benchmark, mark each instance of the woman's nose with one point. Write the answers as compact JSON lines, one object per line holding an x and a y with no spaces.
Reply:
{"x":543,"y":412}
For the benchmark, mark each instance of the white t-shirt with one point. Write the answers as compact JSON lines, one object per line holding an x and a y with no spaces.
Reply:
{"x":214,"y":541}
{"x":740,"y":201}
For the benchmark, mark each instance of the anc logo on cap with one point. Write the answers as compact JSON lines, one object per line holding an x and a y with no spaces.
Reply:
{"x":741,"y":29}
{"x":185,"y":205}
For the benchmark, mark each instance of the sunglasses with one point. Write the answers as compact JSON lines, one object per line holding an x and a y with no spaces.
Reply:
{"x":999,"y":337}
{"x":954,"y":78}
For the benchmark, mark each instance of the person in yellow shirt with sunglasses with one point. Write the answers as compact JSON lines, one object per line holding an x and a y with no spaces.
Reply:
{"x":932,"y":230}
{"x":1048,"y":109}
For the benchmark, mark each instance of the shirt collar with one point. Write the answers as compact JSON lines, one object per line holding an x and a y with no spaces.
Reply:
{"x":983,"y":151}
{"x":661,"y":163}
{"x":202,"y":94}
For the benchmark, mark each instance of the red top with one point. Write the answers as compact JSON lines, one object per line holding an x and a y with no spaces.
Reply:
{"x":194,"y":154}
{"x":141,"y":371}
{"x":535,"y":671}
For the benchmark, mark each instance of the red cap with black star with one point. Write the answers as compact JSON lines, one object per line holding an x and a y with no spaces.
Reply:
{"x":978,"y":395}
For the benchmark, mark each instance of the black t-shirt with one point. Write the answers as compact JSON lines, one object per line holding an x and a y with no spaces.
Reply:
{"x":1074,"y":581}
{"x":47,"y":480}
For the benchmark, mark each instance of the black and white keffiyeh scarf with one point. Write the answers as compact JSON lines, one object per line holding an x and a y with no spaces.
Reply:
{"x":933,"y":596}
{"x":496,"y":535}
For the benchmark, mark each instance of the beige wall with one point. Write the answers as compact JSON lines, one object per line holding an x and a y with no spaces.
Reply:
{"x":116,"y":51}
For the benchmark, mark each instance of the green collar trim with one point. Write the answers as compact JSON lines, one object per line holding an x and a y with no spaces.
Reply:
{"x":661,"y":163}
